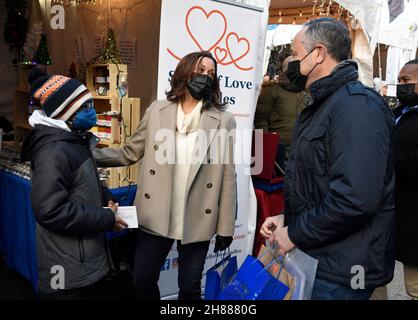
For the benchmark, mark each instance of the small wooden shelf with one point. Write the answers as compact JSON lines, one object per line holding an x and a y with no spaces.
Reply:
{"x":95,"y":96}
{"x":128,"y":108}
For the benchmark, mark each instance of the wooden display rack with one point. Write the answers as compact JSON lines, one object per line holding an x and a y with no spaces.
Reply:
{"x":123,"y":121}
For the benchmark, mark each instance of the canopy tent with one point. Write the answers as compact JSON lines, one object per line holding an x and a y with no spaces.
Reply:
{"x":278,"y":34}
{"x":370,"y":22}
{"x":402,"y":37}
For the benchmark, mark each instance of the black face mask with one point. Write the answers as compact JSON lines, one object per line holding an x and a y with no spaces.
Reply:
{"x":293,"y":73}
{"x":406,"y":94}
{"x":200,"y":86}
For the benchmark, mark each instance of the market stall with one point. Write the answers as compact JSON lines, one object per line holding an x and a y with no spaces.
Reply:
{"x":125,"y":52}
{"x":384,"y":33}
{"x":113,"y":46}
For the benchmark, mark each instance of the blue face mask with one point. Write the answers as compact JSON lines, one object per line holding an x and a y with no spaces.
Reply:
{"x":85,"y":118}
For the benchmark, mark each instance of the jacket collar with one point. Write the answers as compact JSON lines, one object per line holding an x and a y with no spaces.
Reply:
{"x":212,"y":111}
{"x":344,"y":72}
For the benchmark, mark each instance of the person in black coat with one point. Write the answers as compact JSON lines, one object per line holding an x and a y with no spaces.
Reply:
{"x":339,"y":179}
{"x":72,"y":255}
{"x":406,"y":172}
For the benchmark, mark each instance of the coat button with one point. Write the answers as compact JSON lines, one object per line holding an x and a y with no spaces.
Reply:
{"x":208,"y":211}
{"x":208,"y":160}
{"x":209,"y":185}
{"x":156,"y":147}
{"x":152,"y":172}
{"x":147,"y":196}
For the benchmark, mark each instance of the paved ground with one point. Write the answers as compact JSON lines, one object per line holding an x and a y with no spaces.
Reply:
{"x":396,"y":289}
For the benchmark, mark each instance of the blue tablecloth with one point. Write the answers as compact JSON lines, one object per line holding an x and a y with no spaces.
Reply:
{"x":17,"y":223}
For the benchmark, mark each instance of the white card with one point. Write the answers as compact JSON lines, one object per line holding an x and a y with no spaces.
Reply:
{"x":391,"y":92}
{"x":128,"y":214}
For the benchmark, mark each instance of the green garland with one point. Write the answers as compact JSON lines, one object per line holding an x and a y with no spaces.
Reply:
{"x":16,"y":25}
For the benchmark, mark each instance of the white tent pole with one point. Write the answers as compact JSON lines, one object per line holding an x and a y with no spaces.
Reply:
{"x":380,"y":62}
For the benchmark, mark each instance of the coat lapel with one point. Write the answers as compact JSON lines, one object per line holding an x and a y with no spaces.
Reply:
{"x":168,"y":115}
{"x":209,"y":121}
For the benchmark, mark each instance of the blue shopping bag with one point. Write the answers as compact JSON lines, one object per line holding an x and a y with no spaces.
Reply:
{"x":219,"y":275}
{"x":253,"y":282}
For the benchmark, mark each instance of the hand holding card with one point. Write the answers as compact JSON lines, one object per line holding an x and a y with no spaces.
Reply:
{"x":128,"y":214}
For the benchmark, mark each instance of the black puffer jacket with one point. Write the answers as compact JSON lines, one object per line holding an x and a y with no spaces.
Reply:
{"x":68,"y":208}
{"x":339,"y":183}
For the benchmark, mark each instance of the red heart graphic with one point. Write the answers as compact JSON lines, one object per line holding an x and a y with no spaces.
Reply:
{"x":213,"y":12}
{"x":220,"y":54}
{"x":238,"y":39}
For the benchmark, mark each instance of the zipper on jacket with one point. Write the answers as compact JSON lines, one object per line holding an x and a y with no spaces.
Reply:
{"x":82,"y":253}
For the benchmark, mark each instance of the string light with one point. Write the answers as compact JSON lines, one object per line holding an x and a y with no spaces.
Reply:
{"x":313,"y":9}
{"x":294,"y":21}
{"x":74,"y":2}
{"x":300,"y":13}
{"x":78,"y":2}
{"x":329,"y":7}
{"x":280,"y":17}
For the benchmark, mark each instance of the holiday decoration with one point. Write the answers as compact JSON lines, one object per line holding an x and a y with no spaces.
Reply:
{"x":42,"y":55}
{"x":111,"y":52}
{"x":16,"y":25}
{"x":32,"y":40}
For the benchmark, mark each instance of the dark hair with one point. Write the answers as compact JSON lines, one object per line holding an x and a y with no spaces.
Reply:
{"x":330,"y":32}
{"x":414,"y":61}
{"x":184,"y":70}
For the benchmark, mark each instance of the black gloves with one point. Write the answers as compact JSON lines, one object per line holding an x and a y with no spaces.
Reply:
{"x":221,"y":243}
{"x":107,"y":195}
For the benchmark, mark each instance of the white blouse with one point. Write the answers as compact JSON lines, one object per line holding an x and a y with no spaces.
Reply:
{"x":187,"y":126}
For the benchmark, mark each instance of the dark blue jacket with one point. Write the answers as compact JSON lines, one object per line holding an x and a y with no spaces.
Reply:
{"x":339,"y":185}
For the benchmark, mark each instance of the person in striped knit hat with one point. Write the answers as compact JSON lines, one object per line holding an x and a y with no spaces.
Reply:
{"x":72,"y":254}
{"x":62,"y":99}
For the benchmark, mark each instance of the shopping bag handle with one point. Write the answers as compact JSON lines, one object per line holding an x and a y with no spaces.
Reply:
{"x":273,"y":260}
{"x":224,"y":254}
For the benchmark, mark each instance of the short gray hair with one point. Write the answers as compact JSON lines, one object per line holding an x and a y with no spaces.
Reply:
{"x":333,"y":34}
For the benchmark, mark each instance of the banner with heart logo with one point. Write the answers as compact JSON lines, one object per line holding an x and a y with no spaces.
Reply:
{"x":230,"y":32}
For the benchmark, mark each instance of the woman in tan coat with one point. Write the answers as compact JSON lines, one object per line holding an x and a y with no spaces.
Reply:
{"x":187,"y":182}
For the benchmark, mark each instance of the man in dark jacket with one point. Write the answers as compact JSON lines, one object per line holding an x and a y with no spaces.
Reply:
{"x":339,"y":182}
{"x":406,"y":169}
{"x":66,"y":196}
{"x":278,"y":105}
